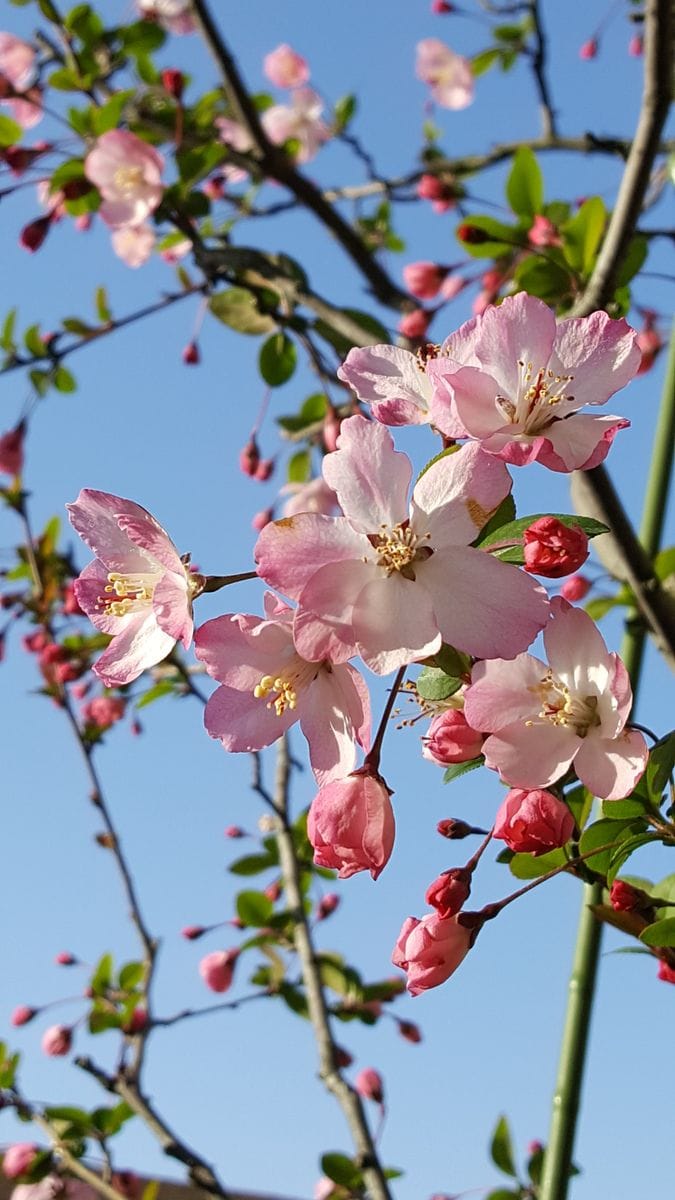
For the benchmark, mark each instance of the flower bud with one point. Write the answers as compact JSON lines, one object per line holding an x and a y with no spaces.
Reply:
{"x":450,"y":739}
{"x":454,"y":829}
{"x":327,"y":905}
{"x":430,"y":950}
{"x":11,"y":450}
{"x":415,"y":324}
{"x":441,"y":194}
{"x":369,"y":1084}
{"x":192,"y":932}
{"x":636,"y":45}
{"x":623,"y":897}
{"x":191,"y":356}
{"x":342,"y":1057}
{"x":439,"y":7}
{"x":449,"y":892}
{"x":217,"y":969}
{"x":575,"y":588}
{"x":264,"y":470}
{"x":452,"y":286}
{"x":18,"y":1158}
{"x":589,"y":49}
{"x":273,"y":890}
{"x":650,"y":342}
{"x":71,"y":607}
{"x":666,"y":972}
{"x":533,"y":822}
{"x":543,"y":232}
{"x":552,"y":549}
{"x":285,"y":68}
{"x":57,"y":1040}
{"x":249,"y":457}
{"x":173,"y":82}
{"x":351,"y":825}
{"x":65,"y":959}
{"x":472,"y":235}
{"x":138,"y":1021}
{"x":262,"y":518}
{"x":33,"y":235}
{"x":23,"y":1014}
{"x":410,"y":1031}
{"x":235,"y":831}
{"x":423,"y":279}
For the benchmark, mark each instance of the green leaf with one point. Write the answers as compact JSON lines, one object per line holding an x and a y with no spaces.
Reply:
{"x":66,"y":80}
{"x":501,"y":238}
{"x":254,"y":908}
{"x":64,"y":381}
{"x":605,"y":832}
{"x":580,"y":803}
{"x":195,"y":165}
{"x":109,"y":1121}
{"x":102,"y":977}
{"x":77,"y":1117}
{"x":525,"y":184}
{"x":633,"y":260}
{"x":131,"y":974}
{"x":432,"y":683}
{"x":165,"y":687}
{"x":85,"y":23}
{"x":237,"y":308}
{"x":339,"y":978}
{"x":10,"y":131}
{"x":299,"y":467}
{"x":41,"y":381}
{"x":253,"y":864}
{"x":623,"y":810}
{"x":661,"y":933}
{"x":342,"y":1171}
{"x":277,"y":359}
{"x":480,"y":63}
{"x":34,"y":343}
{"x":110,"y":114}
{"x":142,"y":37}
{"x":542,"y":277}
{"x":583,"y":233}
{"x":345,"y":109}
{"x":312,"y":411}
{"x":449,"y":660}
{"x":365,"y":321}
{"x":601,"y":605}
{"x":660,"y":765}
{"x":501,"y":1149}
{"x":530,"y":866}
{"x":102,"y":307}
{"x":502,"y":516}
{"x":458,"y":769}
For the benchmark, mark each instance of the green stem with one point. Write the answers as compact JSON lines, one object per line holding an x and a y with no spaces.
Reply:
{"x":558,"y":1159}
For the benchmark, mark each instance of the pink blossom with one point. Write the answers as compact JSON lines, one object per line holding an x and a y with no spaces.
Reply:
{"x":238,"y":138}
{"x":11,"y":450}
{"x":449,"y":892}
{"x":18,"y":1158}
{"x":324,"y":1188}
{"x":543,"y":232}
{"x":173,"y":15}
{"x":285,"y":68}
{"x":267,"y":686}
{"x":452,"y":286}
{"x":391,"y":582}
{"x":450,"y":739}
{"x":533,"y":822}
{"x":430,"y":950}
{"x":369,"y":1084}
{"x":23,"y":1014}
{"x":128,"y":173}
{"x":448,"y":74}
{"x":315,"y":496}
{"x":543,"y":719}
{"x":174,"y":253}
{"x":300,"y":121}
{"x":54,"y":1187}
{"x":552,"y":549}
{"x":519,"y":378}
{"x":665,"y":973}
{"x":351,"y":825}
{"x":576,"y":588}
{"x":17,"y":67}
{"x":441,"y":194}
{"x":327,"y":905}
{"x":415,"y":324}
{"x":636,"y":46}
{"x":57,"y":1040}
{"x":133,"y":243}
{"x":424,"y":279}
{"x":104,"y":711}
{"x":137,"y":589}
{"x":217,"y":969}
{"x":393,"y":381}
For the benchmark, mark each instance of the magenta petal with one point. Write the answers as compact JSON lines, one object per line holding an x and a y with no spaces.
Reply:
{"x":328,"y":729}
{"x":148,"y":535}
{"x":238,"y":649}
{"x":94,"y":516}
{"x":456,"y":496}
{"x":579,"y":441}
{"x":172,"y":609}
{"x":290,"y":551}
{"x":503,"y":692}
{"x":391,"y":380}
{"x":521,"y":329}
{"x":611,"y":767}
{"x":139,"y":645}
{"x":323,"y":622}
{"x":242,"y":722}
{"x":370,"y":478}
{"x":394,"y":623}
{"x":601,"y":353}
{"x":485,"y":607}
{"x":531,"y":756}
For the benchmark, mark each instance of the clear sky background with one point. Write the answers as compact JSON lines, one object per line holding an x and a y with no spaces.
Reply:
{"x":242,"y":1086}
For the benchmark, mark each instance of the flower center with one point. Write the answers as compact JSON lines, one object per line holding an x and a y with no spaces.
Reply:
{"x":539,"y":391}
{"x":126,"y":593}
{"x":397,"y":548}
{"x":283,"y":688}
{"x":560,"y":707}
{"x":128,"y":179}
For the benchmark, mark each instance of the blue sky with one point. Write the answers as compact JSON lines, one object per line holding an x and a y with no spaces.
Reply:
{"x":243,"y":1086}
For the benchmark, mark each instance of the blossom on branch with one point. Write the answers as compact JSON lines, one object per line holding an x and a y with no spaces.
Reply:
{"x":430,"y":950}
{"x":175,"y":16}
{"x":390,"y":582}
{"x":351,"y":825}
{"x":128,"y":173}
{"x":533,"y":822}
{"x":300,"y":121}
{"x":543,"y":719}
{"x":17,"y":72}
{"x":266,"y":686}
{"x":285,"y":68}
{"x":448,"y":74}
{"x":137,"y":589}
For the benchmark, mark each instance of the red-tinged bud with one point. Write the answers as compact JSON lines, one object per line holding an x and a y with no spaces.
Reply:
{"x":415,"y":324}
{"x":66,"y":672}
{"x":235,"y":831}
{"x":650,"y":342}
{"x":191,"y":356}
{"x":52,"y":653}
{"x":535,"y":1147}
{"x":440,"y":7}
{"x":192,"y":932}
{"x":327,"y":905}
{"x":33,"y":235}
{"x":623,"y":897}
{"x":552,"y":549}
{"x":76,"y":188}
{"x":57,"y":1040}
{"x":18,"y":1159}
{"x":249,"y":457}
{"x":217,"y":969}
{"x":424,"y":279}
{"x":533,"y":822}
{"x":262,"y":518}
{"x":449,"y":892}
{"x":71,"y":607}
{"x":138,"y":1021}
{"x":410,"y":1031}
{"x":450,"y":739}
{"x":343,"y":1058}
{"x":666,"y":973}
{"x":236,"y":923}
{"x":543,"y":232}
{"x":369,"y":1084}
{"x":80,"y":690}
{"x":264,"y":470}
{"x":23,"y":1014}
{"x":214,"y":188}
{"x":472,"y":235}
{"x":11,"y":450}
{"x":83,"y":223}
{"x":636,"y":46}
{"x":136,"y":728}
{"x":35,"y":642}
{"x":20,"y":158}
{"x":441,"y":194}
{"x":575,"y":588}
{"x":454,"y":829}
{"x":589,"y":49}
{"x":273,"y":891}
{"x":6,"y":88}
{"x":65,"y":959}
{"x":173,"y":82}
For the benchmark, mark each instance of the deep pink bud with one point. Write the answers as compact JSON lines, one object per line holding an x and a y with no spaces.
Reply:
{"x":623,"y":897}
{"x":415,"y":324}
{"x":11,"y":450}
{"x":23,"y":1014}
{"x":327,"y":905}
{"x":450,"y":739}
{"x":214,"y":187}
{"x":535,"y":1147}
{"x":192,"y":932}
{"x":449,"y":892}
{"x":424,"y":279}
{"x":589,"y":49}
{"x":173,"y":82}
{"x":650,"y":342}
{"x":264,"y":470}
{"x":441,"y":6}
{"x":138,"y":1022}
{"x":65,"y":959}
{"x":636,"y":45}
{"x":533,"y":822}
{"x":369,"y":1084}
{"x":104,"y":711}
{"x":33,"y":235}
{"x":410,"y":1031}
{"x":262,"y":518}
{"x":235,"y":831}
{"x":552,"y":549}
{"x":35,"y":642}
{"x":351,"y":825}
{"x":249,"y":457}
{"x":430,"y":950}
{"x":273,"y":891}
{"x":217,"y":969}
{"x":452,"y":286}
{"x":18,"y":1158}
{"x":453,"y":829}
{"x":441,"y":194}
{"x":71,"y":607}
{"x":575,"y":588}
{"x":57,"y":1040}
{"x":473,"y":235}
{"x":543,"y":232}
{"x":666,"y":973}
{"x":343,"y":1058}
{"x":191,"y":356}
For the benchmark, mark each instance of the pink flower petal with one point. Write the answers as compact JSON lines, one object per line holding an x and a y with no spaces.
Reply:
{"x":138,"y":645}
{"x":576,"y":649}
{"x":238,"y":649}
{"x":394,"y":623}
{"x":323,"y":622}
{"x":290,"y":551}
{"x":391,"y":380}
{"x":243,"y":722}
{"x":521,"y":329}
{"x":147,"y":533}
{"x":370,"y":478}
{"x":94,"y":515}
{"x":611,"y":767}
{"x":456,"y":496}
{"x":91,"y":596}
{"x":602,"y":354}
{"x":503,"y":692}
{"x":531,"y":756}
{"x":579,"y":442}
{"x":171,"y":607}
{"x":325,"y":724}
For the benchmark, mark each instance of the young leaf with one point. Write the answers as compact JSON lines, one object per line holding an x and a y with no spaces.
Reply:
{"x":525,"y":184}
{"x":277,"y":359}
{"x":501,"y":1149}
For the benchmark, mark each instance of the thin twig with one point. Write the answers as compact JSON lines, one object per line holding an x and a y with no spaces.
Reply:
{"x":546,"y":109}
{"x":72,"y":1164}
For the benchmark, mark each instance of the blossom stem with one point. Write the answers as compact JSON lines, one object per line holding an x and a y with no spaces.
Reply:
{"x":213,"y":583}
{"x":558,"y":1158}
{"x":372,"y":759}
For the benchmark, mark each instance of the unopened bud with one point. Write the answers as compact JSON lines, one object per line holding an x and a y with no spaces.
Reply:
{"x":449,"y":892}
{"x":454,"y":829}
{"x":264,"y":470}
{"x":472,"y":235}
{"x":262,"y":518}
{"x":33,"y":235}
{"x":415,"y":324}
{"x":173,"y":82}
{"x":191,"y":356}
{"x":65,"y":959}
{"x":589,"y":49}
{"x":249,"y":457}
{"x":575,"y":588}
{"x":23,"y":1014}
{"x":369,"y":1084}
{"x":192,"y":932}
{"x":410,"y":1031}
{"x":342,"y":1057}
{"x":57,"y":1040}
{"x":327,"y":905}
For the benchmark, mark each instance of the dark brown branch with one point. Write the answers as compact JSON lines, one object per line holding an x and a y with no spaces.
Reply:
{"x":546,"y":109}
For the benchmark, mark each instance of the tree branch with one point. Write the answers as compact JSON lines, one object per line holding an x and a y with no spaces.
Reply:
{"x":548,"y":116}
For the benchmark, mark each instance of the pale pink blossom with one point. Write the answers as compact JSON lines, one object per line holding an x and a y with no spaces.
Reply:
{"x":217,"y":969}
{"x":175,"y":16}
{"x":133,"y":243}
{"x":390,"y":582}
{"x":543,"y":232}
{"x":137,"y":589}
{"x":285,"y":68}
{"x":351,"y":825}
{"x":53,"y":202}
{"x":128,"y":173}
{"x":17,"y":1159}
{"x":314,"y":496}
{"x":393,"y":381}
{"x":543,"y":719}
{"x":448,"y":74}
{"x":54,"y":1187}
{"x":300,"y":121}
{"x":266,"y":686}
{"x":430,"y":950}
{"x":424,"y":279}
{"x":238,"y":138}
{"x":18,"y":67}
{"x":533,"y":822}
{"x":519,"y":379}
